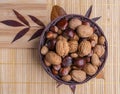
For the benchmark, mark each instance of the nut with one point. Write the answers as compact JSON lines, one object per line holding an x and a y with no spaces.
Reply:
{"x":66,"y":78}
{"x":73,"y":23}
{"x":53,"y":58}
{"x":101,"y":40}
{"x":99,"y":50}
{"x":90,"y":69}
{"x":51,"y":35}
{"x":51,"y":44}
{"x":73,"y":45}
{"x":55,"y":72}
{"x":44,"y":50}
{"x":84,"y":31}
{"x":62,"y":48}
{"x":64,"y":71}
{"x":75,"y":68}
{"x":94,"y":39}
{"x":61,"y":38}
{"x":78,"y":75}
{"x":74,"y":55}
{"x":47,"y":63}
{"x":56,"y":67}
{"x":62,"y":24}
{"x":84,"y":48}
{"x":95,"y":60}
{"x":59,"y":31}
{"x":80,"y":62}
{"x":69,"y":33}
{"x":75,"y":37}
{"x":67,"y":61}
{"x":54,"y":29}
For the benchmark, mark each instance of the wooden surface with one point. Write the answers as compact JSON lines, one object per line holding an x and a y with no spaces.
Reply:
{"x":20,"y":69}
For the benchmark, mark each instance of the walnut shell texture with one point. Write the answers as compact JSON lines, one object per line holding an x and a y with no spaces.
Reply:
{"x":73,"y":45}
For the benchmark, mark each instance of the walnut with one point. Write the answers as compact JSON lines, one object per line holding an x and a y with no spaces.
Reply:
{"x":75,"y":37}
{"x":73,"y":23}
{"x":84,"y":31}
{"x":47,"y":63}
{"x":90,"y":69}
{"x":95,"y":60}
{"x":73,"y":45}
{"x":101,"y":40}
{"x":99,"y":50}
{"x":66,"y":78}
{"x":74,"y":55}
{"x":94,"y":39}
{"x":62,"y":48}
{"x":78,"y":75}
{"x":53,"y":58}
{"x":61,"y":38}
{"x":84,"y":48}
{"x":44,"y":50}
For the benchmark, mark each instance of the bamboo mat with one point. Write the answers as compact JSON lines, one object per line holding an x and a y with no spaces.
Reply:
{"x":20,"y":69}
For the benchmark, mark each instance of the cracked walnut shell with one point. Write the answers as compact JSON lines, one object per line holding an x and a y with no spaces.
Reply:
{"x":53,"y":58}
{"x":62,"y":48}
{"x":73,"y":45}
{"x":84,"y":48}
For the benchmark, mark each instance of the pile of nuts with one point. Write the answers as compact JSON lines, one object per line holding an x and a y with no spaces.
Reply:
{"x":73,"y":49}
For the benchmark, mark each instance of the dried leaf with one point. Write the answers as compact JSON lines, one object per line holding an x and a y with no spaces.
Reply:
{"x":12,"y":23}
{"x":88,"y":12}
{"x":20,"y":34}
{"x":36,"y":34}
{"x":100,"y":75}
{"x":37,"y":21}
{"x":72,"y":87}
{"x":21,"y":18}
{"x":57,"y":11}
{"x":59,"y":84}
{"x":96,"y":18}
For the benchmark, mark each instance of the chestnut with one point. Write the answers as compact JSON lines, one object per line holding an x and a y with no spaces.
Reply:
{"x":64,"y":71}
{"x":80,"y":62}
{"x":51,"y":44}
{"x":69,"y":33}
{"x":67,"y":61}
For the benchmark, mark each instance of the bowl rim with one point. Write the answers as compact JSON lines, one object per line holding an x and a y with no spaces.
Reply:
{"x":41,"y":44}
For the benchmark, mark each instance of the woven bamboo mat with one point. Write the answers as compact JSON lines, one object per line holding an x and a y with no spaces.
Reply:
{"x":20,"y":69}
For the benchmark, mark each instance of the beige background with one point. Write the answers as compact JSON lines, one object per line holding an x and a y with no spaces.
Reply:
{"x":20,"y":71}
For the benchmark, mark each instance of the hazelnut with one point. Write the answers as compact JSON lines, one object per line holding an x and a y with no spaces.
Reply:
{"x":47,"y":63}
{"x":59,"y":31}
{"x":78,"y":75}
{"x":51,"y":35}
{"x":54,"y":29}
{"x":80,"y":62}
{"x":62,"y":24}
{"x":74,"y":55}
{"x":53,"y":58}
{"x":67,"y":61}
{"x":66,"y":78}
{"x":90,"y":69}
{"x":55,"y":72}
{"x":84,"y":48}
{"x":94,"y":39}
{"x":101,"y":40}
{"x":95,"y":60}
{"x":64,"y":71}
{"x":61,"y":38}
{"x":74,"y":22}
{"x":84,"y":31}
{"x":99,"y":50}
{"x":69,"y":33}
{"x":44,"y":50}
{"x":73,"y":45}
{"x":62,"y":48}
{"x":75,"y":37}
{"x":56,"y":67}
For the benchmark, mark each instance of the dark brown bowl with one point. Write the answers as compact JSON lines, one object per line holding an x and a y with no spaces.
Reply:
{"x":98,"y":31}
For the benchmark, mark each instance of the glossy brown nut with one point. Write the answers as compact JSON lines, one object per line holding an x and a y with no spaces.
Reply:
{"x":51,"y":44}
{"x":80,"y":62}
{"x":56,"y":67}
{"x":64,"y":71}
{"x":69,"y":33}
{"x":62,"y":24}
{"x":51,"y":35}
{"x":54,"y":29}
{"x":55,"y":72}
{"x":67,"y":61}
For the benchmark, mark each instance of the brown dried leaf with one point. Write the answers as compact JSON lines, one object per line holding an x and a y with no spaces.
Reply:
{"x":12,"y":23}
{"x":72,"y":87}
{"x":36,"y":20}
{"x":95,"y":19}
{"x":36,"y":34}
{"x":100,"y":75}
{"x":21,"y":18}
{"x":88,"y":12}
{"x":20,"y":34}
{"x":57,"y":11}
